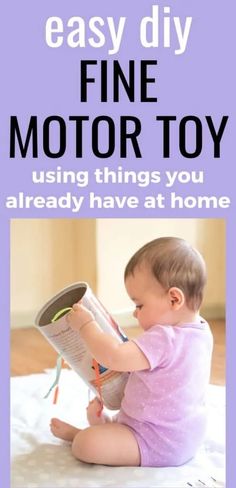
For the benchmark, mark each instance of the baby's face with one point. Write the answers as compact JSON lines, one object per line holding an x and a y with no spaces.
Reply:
{"x":152,"y":302}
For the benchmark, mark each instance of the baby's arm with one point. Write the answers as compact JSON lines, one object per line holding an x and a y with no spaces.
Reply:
{"x":105,"y":348}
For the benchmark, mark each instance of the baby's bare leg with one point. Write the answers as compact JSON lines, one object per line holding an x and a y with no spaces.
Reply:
{"x":67,"y":432}
{"x":112,"y":444}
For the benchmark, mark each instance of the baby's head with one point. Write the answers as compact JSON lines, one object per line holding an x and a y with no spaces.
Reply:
{"x":165,"y":279}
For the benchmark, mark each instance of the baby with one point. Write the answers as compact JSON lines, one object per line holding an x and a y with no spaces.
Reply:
{"x":162,"y":419}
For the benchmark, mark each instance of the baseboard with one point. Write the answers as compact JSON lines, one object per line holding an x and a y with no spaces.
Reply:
{"x":123,"y":317}
{"x":210,"y":312}
{"x":23,"y":319}
{"x":27,"y":319}
{"x":213,"y":312}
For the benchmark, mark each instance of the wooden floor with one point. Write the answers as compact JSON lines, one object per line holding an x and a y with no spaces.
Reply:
{"x":31,"y":353}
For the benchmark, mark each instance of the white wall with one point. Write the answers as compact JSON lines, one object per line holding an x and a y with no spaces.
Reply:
{"x":48,"y":254}
{"x":118,"y":239}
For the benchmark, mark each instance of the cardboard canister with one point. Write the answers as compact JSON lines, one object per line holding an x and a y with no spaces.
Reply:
{"x":72,"y":348}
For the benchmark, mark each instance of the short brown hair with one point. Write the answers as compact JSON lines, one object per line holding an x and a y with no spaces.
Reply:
{"x":173,"y":262}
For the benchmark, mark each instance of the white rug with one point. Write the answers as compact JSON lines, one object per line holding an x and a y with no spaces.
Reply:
{"x":41,"y":461}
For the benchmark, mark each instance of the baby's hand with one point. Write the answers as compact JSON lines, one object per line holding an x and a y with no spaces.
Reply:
{"x":93,"y":412}
{"x":79,"y":316}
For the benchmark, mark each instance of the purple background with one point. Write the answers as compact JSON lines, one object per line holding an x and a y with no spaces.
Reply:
{"x":37,"y":80}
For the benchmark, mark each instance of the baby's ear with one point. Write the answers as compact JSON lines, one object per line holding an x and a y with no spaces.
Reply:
{"x":176,"y":297}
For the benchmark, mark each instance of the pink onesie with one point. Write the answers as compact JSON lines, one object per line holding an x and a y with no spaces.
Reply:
{"x":165,"y":406}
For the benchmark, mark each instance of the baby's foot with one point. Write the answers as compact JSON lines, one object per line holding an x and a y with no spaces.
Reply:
{"x":63,"y":430}
{"x":94,"y":414}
